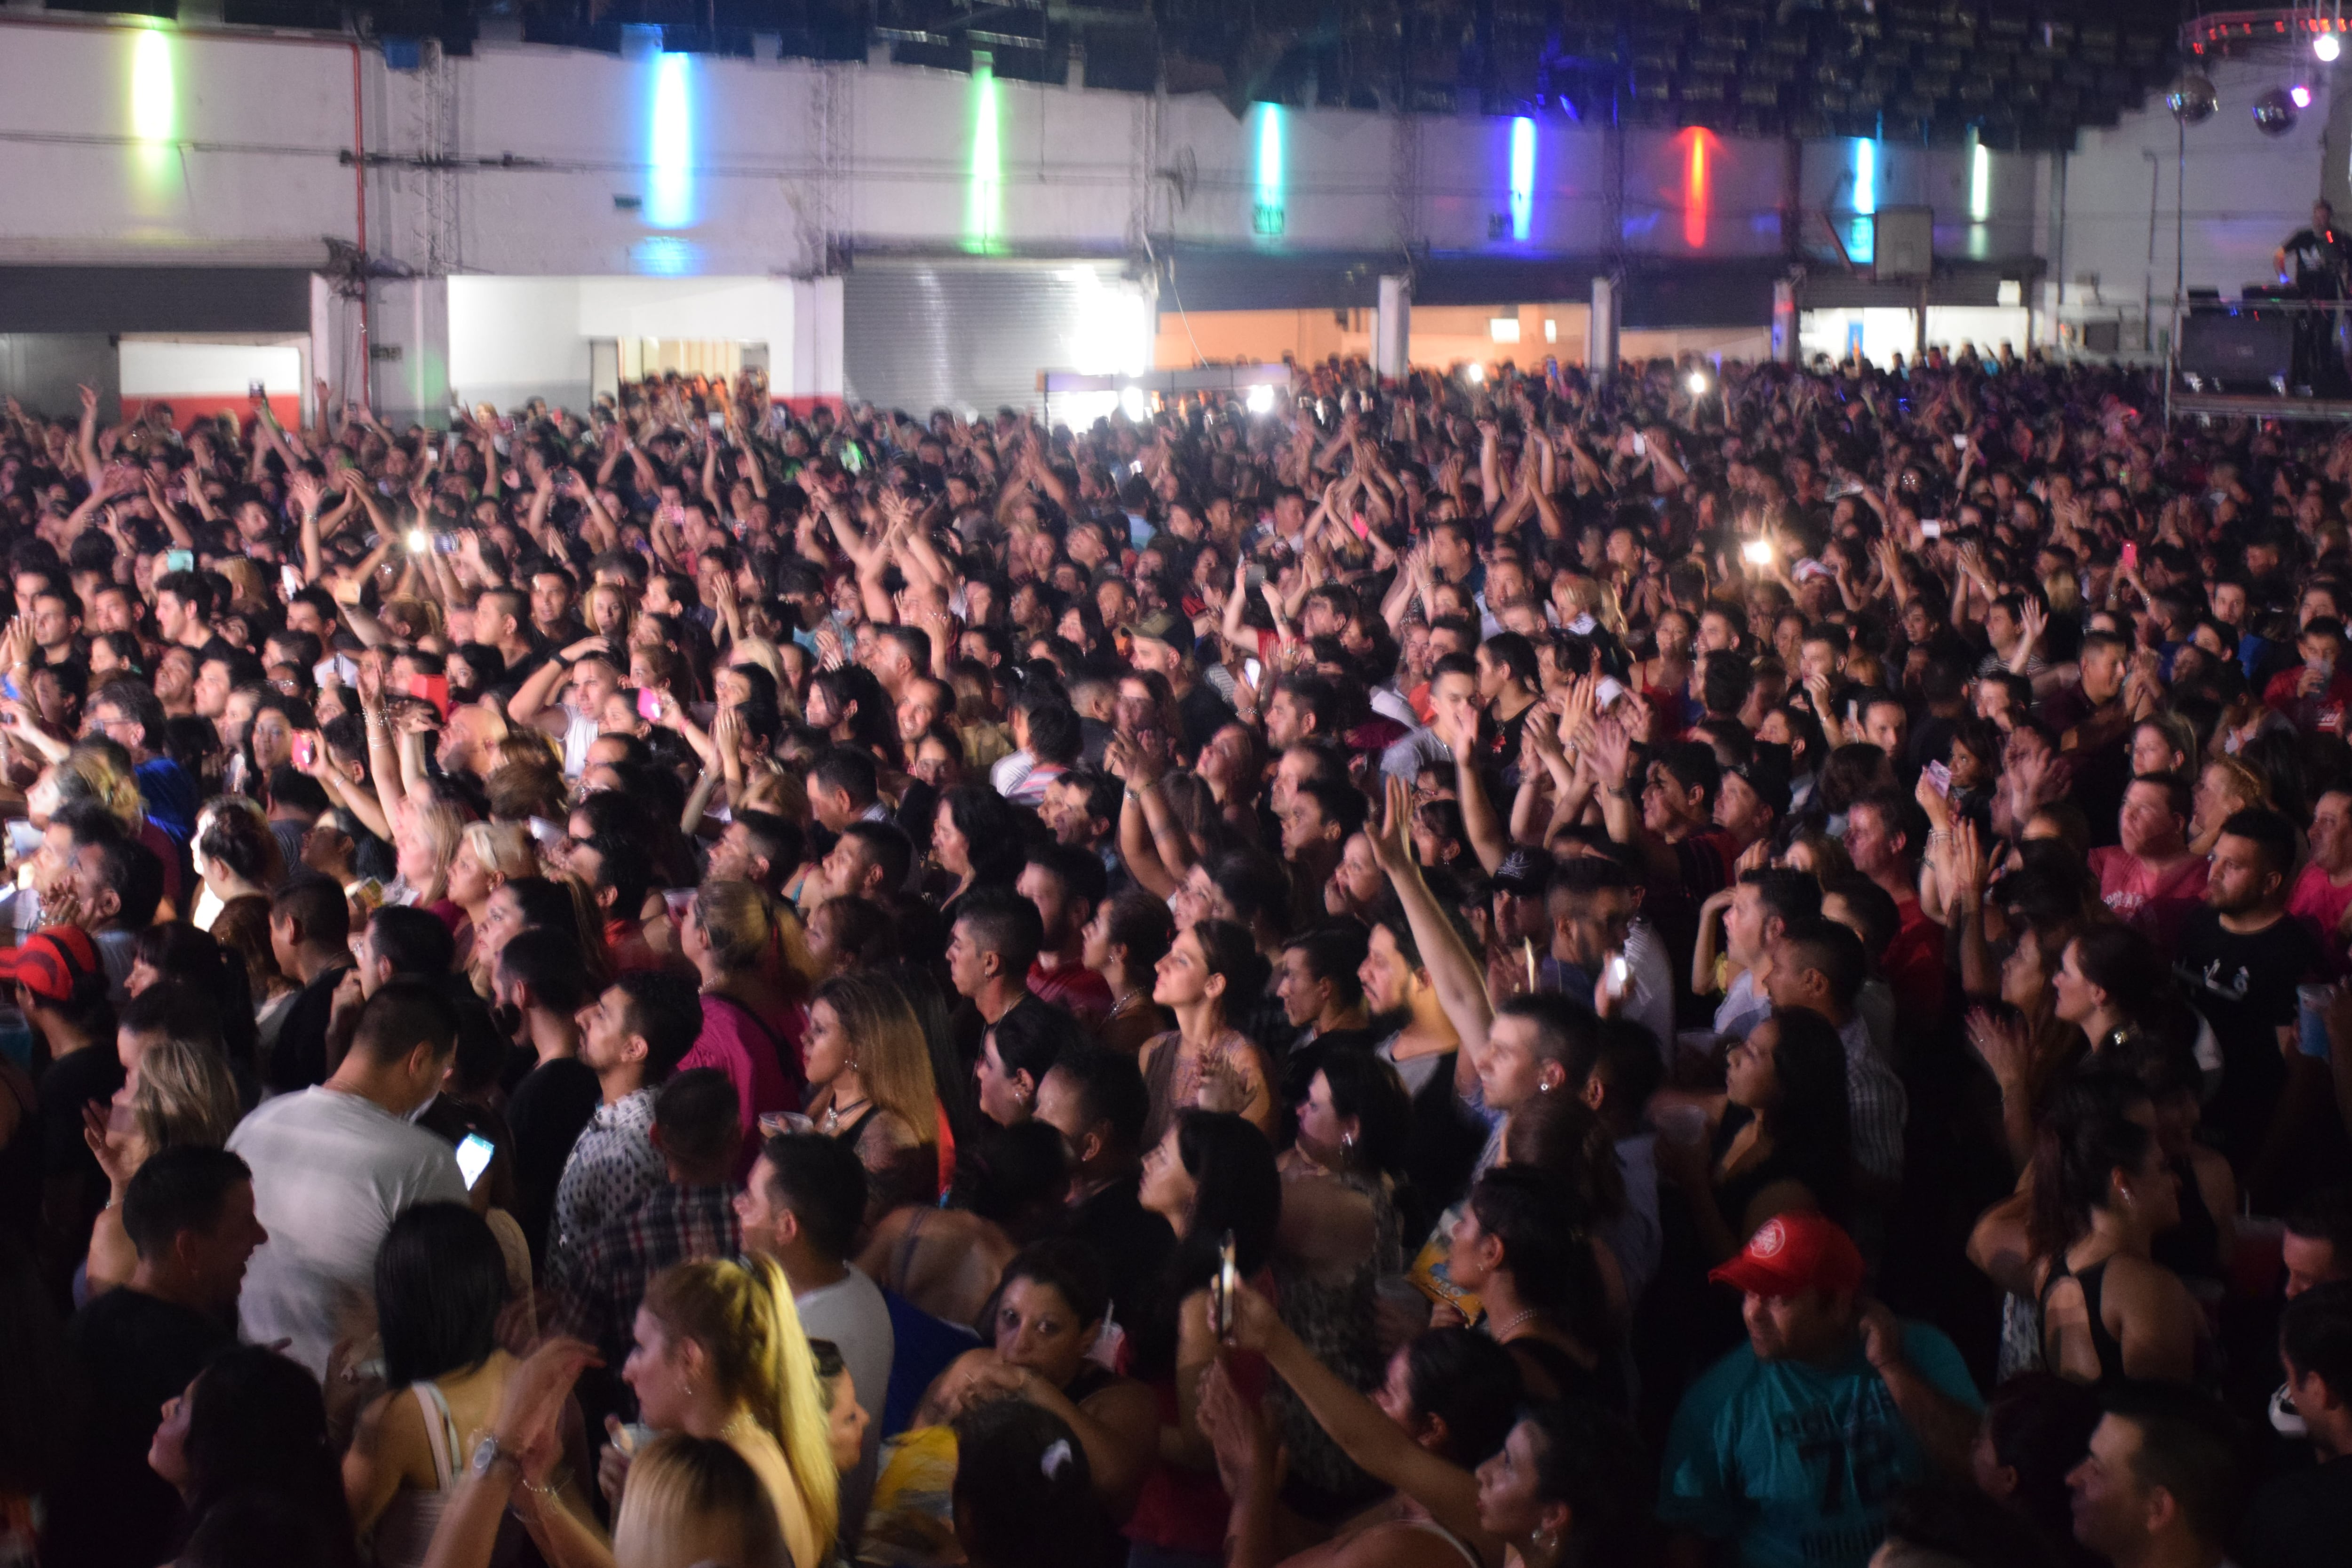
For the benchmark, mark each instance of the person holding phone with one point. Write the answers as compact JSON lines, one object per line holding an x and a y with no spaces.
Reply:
{"x":2315,"y":695}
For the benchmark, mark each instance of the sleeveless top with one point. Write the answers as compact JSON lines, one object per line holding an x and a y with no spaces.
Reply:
{"x":404,"y":1534}
{"x":2103,"y":1344}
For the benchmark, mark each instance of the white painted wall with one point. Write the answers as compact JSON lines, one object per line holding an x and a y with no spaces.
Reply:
{"x":158,"y":367}
{"x":231,"y":148}
{"x":2244,"y":193}
{"x":132,"y":144}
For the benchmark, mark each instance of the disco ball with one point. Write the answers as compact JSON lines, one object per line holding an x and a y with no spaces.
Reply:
{"x":2193,"y":100}
{"x":2274,"y":113}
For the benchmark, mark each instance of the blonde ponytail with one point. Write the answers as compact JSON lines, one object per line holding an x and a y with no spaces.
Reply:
{"x":792,"y":1403}
{"x":742,"y":1313}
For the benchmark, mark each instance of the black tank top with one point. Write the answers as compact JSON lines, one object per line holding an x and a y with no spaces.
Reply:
{"x":2103,"y":1344}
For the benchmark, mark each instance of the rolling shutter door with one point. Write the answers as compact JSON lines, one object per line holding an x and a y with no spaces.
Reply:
{"x":964,"y":334}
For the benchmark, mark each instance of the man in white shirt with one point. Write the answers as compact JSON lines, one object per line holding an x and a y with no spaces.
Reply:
{"x":334,"y":1165}
{"x":802,"y":1206}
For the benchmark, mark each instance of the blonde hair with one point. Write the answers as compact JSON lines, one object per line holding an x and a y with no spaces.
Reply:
{"x":695,"y":1500}
{"x":2243,"y":780}
{"x":741,"y":1314}
{"x":88,"y":772}
{"x":504,"y":849}
{"x":894,"y":1060}
{"x":2064,"y":593}
{"x":761,"y":652}
{"x":441,"y":824}
{"x":185,"y":1096}
{"x":738,"y":922}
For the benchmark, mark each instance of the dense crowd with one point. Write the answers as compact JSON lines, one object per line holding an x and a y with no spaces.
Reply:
{"x":1736,"y":965}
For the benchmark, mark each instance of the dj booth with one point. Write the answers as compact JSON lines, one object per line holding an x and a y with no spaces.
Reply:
{"x":2271,"y":352}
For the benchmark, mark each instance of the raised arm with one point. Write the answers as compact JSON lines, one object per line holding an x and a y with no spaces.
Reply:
{"x":1377,"y":1445}
{"x":1453,"y":968}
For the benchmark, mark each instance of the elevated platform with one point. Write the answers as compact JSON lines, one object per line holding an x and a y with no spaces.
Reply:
{"x":2258,"y":406}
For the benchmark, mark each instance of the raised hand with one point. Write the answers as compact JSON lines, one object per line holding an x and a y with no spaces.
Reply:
{"x":1971,"y":868}
{"x":1390,"y":837}
{"x":1613,"y":751}
{"x":2001,"y":1046}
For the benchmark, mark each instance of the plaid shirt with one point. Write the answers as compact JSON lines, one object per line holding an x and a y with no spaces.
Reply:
{"x":1876,"y":1106}
{"x":611,"y":1167}
{"x":597,"y":1286}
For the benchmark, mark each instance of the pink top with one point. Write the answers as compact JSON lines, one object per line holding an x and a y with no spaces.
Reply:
{"x":759,"y":1056}
{"x":2320,"y":904}
{"x":2153,"y":905}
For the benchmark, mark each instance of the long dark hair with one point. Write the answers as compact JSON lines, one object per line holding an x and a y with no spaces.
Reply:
{"x":1368,"y":1089}
{"x":1810,"y":1123}
{"x":257,"y":1423}
{"x":875,"y":725}
{"x":1232,"y":952}
{"x":1591,"y":1461}
{"x":2087,"y":1135}
{"x":440,"y":1282}
{"x":178,"y":951}
{"x":1024,"y":1494}
{"x":992,"y":834}
{"x":1470,"y":1381}
{"x":1536,"y":1218}
{"x":2128,"y":968}
{"x":1237,"y":1188}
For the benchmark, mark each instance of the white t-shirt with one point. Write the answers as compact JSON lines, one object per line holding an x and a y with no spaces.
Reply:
{"x":851,"y":1313}
{"x":331,"y":1173}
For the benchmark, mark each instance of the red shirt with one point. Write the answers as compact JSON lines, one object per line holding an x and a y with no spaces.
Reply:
{"x":1074,"y":986}
{"x":2151,"y":904}
{"x":2322,"y":712}
{"x":625,"y":941}
{"x":1915,"y":963}
{"x":2320,"y":904}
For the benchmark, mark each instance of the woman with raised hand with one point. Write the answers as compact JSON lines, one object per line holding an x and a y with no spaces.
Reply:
{"x":441,"y":1284}
{"x":1212,"y":975}
{"x":1444,"y":1410}
{"x":689,"y":1500}
{"x":178,"y":1092}
{"x":719,"y":1356}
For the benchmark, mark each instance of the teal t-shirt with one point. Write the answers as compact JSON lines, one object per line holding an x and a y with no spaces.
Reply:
{"x":1796,"y":1462}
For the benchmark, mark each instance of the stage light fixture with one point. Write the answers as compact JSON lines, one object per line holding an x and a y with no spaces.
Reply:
{"x":2326,"y":47}
{"x":2301,"y":95}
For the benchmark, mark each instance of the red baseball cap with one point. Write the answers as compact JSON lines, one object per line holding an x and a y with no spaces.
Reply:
{"x":53,"y":962}
{"x":1791,"y":1253}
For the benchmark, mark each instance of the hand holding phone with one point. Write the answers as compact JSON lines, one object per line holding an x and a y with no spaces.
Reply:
{"x":1222,"y":1286}
{"x":474,"y":1152}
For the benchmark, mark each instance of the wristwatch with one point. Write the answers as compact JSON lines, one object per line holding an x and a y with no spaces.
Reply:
{"x":487,"y":1453}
